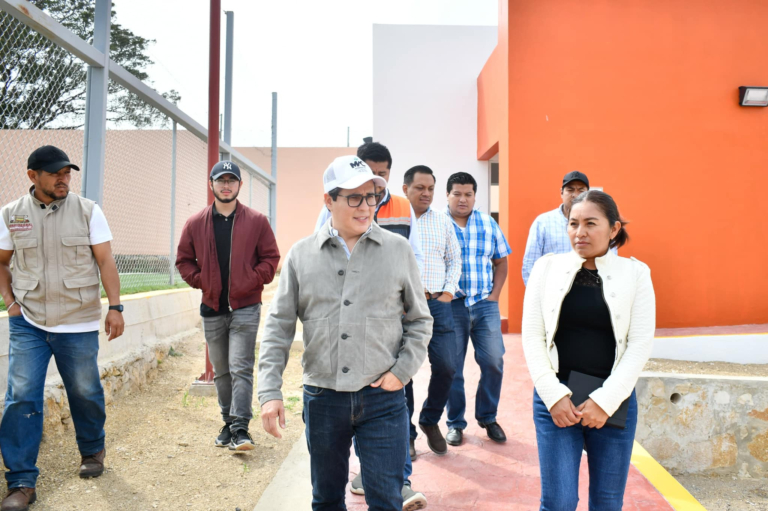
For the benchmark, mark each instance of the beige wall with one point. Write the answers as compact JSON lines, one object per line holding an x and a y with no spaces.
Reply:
{"x":299,"y":187}
{"x":137,"y":182}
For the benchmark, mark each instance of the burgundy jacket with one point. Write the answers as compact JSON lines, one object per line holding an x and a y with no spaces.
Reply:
{"x":254,"y":257}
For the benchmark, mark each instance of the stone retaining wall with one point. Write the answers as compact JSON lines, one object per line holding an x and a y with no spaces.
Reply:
{"x":700,"y":424}
{"x":118,"y":377}
{"x":154,"y":322}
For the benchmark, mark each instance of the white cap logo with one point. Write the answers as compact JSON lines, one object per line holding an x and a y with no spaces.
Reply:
{"x":349,"y":172}
{"x":227,"y":166}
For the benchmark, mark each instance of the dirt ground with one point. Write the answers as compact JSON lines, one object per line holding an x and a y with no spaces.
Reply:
{"x":160,"y":451}
{"x":728,"y":493}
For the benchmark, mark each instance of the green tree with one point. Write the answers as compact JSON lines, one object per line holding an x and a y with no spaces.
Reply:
{"x":44,"y":86}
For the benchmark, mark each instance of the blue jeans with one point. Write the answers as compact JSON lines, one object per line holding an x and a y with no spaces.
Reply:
{"x":378,"y":420}
{"x":482,"y":323}
{"x":408,"y":469}
{"x":443,"y":357}
{"x":609,"y":451}
{"x":22,"y":426}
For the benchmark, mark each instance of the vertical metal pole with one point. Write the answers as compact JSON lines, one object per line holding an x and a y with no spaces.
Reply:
{"x":273,"y":187}
{"x":96,"y":108}
{"x":172,"y":257}
{"x":228,"y":79}
{"x":347,"y":136}
{"x":214,"y":72}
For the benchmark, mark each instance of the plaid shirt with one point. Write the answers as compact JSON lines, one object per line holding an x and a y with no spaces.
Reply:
{"x":482,"y":242}
{"x":442,"y":253}
{"x":548,"y":235}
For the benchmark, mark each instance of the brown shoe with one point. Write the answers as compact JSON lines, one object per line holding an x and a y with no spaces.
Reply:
{"x":18,"y":499}
{"x":93,"y":465}
{"x":435,"y":439}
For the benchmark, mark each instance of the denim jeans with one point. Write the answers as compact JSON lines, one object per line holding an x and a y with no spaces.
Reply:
{"x":609,"y":451}
{"x":378,"y":421}
{"x":22,"y":426}
{"x":480,"y":322}
{"x":408,"y":469}
{"x":231,"y":342}
{"x":443,"y":356}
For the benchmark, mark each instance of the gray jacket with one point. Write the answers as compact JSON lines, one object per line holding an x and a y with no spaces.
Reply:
{"x":352,"y":313}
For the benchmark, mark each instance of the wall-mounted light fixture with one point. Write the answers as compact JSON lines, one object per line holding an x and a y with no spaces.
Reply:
{"x":753,"y":96}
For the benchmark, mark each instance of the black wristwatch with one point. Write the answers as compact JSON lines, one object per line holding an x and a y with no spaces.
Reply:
{"x":118,"y":308}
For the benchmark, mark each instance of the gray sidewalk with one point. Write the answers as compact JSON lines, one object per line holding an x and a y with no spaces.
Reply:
{"x":291,"y":488}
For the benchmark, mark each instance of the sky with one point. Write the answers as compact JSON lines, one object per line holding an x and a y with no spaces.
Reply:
{"x":316,"y":54}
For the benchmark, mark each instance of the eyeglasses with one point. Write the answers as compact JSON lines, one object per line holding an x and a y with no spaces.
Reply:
{"x":354,"y":201}
{"x":225,"y":182}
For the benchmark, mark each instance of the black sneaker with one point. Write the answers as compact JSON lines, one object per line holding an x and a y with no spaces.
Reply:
{"x":241,"y":441}
{"x":225,"y":436}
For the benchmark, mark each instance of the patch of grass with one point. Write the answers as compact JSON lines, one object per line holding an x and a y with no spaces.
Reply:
{"x":291,"y":401}
{"x":173,"y":353}
{"x":132,"y":283}
{"x":185,"y":399}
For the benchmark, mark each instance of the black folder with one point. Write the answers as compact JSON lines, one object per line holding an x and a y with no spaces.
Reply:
{"x":582,"y":385}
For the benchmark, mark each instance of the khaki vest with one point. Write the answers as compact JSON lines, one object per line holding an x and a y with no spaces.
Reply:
{"x":55,"y":276}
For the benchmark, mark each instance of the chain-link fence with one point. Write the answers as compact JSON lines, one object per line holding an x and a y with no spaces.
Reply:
{"x":147,"y":156}
{"x":42,"y":101}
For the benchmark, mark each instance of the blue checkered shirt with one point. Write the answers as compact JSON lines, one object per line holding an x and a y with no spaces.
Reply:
{"x":548,"y":235}
{"x":482,"y":242}
{"x":442,"y":253}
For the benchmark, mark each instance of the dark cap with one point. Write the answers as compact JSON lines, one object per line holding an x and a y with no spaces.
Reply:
{"x":225,"y":167}
{"x":575,"y":176}
{"x":50,"y":159}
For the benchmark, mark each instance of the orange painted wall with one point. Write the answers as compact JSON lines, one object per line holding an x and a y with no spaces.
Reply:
{"x":643,"y":98}
{"x":299,"y":187}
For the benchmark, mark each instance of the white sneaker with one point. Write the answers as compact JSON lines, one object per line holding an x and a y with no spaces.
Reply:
{"x":357,"y":485}
{"x":413,"y":500}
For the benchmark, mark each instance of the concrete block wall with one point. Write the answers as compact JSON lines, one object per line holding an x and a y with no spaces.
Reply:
{"x":149,"y":317}
{"x":712,"y":425}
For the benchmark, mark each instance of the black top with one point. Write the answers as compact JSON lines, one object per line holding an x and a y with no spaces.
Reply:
{"x":584,"y":338}
{"x":222,"y":231}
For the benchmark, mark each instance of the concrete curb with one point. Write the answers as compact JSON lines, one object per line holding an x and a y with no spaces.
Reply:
{"x":291,"y":488}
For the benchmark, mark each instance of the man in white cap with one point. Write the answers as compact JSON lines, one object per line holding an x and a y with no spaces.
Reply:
{"x":349,"y":284}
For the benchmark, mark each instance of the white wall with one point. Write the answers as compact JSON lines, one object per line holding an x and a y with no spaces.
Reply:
{"x":425,"y":100}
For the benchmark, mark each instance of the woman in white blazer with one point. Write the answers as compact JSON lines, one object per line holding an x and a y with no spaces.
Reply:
{"x":592,"y":312}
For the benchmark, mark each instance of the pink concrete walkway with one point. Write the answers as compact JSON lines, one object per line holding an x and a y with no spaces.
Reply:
{"x":483,"y":475}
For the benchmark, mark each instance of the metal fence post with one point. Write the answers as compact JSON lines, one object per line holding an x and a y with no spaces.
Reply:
{"x":273,"y":186}
{"x":228,"y":78}
{"x":96,"y":108}
{"x":172,"y":256}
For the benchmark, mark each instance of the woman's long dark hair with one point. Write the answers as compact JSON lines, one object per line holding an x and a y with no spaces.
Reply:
{"x":611,"y":211}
